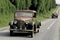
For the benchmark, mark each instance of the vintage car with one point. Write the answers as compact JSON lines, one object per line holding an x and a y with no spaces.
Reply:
{"x":25,"y":21}
{"x":54,"y":15}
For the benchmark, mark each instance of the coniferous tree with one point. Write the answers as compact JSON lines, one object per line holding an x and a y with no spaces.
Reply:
{"x":41,"y":6}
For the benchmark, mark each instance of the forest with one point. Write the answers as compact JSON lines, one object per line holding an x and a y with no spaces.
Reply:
{"x":8,"y":7}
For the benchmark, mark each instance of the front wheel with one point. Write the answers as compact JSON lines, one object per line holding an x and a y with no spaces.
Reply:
{"x":32,"y":34}
{"x":11,"y":33}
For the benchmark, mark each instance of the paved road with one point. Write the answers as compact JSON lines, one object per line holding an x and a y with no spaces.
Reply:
{"x":50,"y":30}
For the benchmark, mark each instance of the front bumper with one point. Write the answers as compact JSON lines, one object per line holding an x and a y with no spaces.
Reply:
{"x":21,"y":31}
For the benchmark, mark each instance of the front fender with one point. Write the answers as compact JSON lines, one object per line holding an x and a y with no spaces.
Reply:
{"x":11,"y":23}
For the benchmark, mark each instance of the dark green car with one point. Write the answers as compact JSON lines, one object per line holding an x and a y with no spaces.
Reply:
{"x":25,"y":21}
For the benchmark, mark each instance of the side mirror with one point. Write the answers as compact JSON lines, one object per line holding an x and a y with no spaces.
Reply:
{"x":34,"y":15}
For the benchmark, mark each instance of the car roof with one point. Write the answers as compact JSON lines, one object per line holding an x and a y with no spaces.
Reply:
{"x":31,"y":11}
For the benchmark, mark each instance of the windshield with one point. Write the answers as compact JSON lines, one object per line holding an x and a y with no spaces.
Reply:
{"x":24,"y":14}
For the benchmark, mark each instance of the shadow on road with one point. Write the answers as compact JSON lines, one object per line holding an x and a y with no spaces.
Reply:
{"x":7,"y":34}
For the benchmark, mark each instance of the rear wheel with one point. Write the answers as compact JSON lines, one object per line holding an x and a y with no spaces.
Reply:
{"x":38,"y":26}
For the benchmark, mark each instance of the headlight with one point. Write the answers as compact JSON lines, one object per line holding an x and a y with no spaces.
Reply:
{"x":15,"y":22}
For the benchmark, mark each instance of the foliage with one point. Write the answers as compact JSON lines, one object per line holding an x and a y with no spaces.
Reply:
{"x":8,"y":7}
{"x":41,"y":6}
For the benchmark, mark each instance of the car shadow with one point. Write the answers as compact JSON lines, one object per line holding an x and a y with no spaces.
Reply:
{"x":7,"y":34}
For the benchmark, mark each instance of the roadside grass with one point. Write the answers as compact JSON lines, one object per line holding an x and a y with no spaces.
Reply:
{"x":5,"y":18}
{"x":45,"y":16}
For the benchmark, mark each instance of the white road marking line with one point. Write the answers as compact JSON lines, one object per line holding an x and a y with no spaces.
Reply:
{"x":51,"y":24}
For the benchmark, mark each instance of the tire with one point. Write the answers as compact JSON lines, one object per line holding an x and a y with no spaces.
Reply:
{"x":32,"y":34}
{"x":38,"y":26}
{"x":11,"y":33}
{"x":56,"y":16}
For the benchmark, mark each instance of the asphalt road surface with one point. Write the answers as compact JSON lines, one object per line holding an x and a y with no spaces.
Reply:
{"x":50,"y":30}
